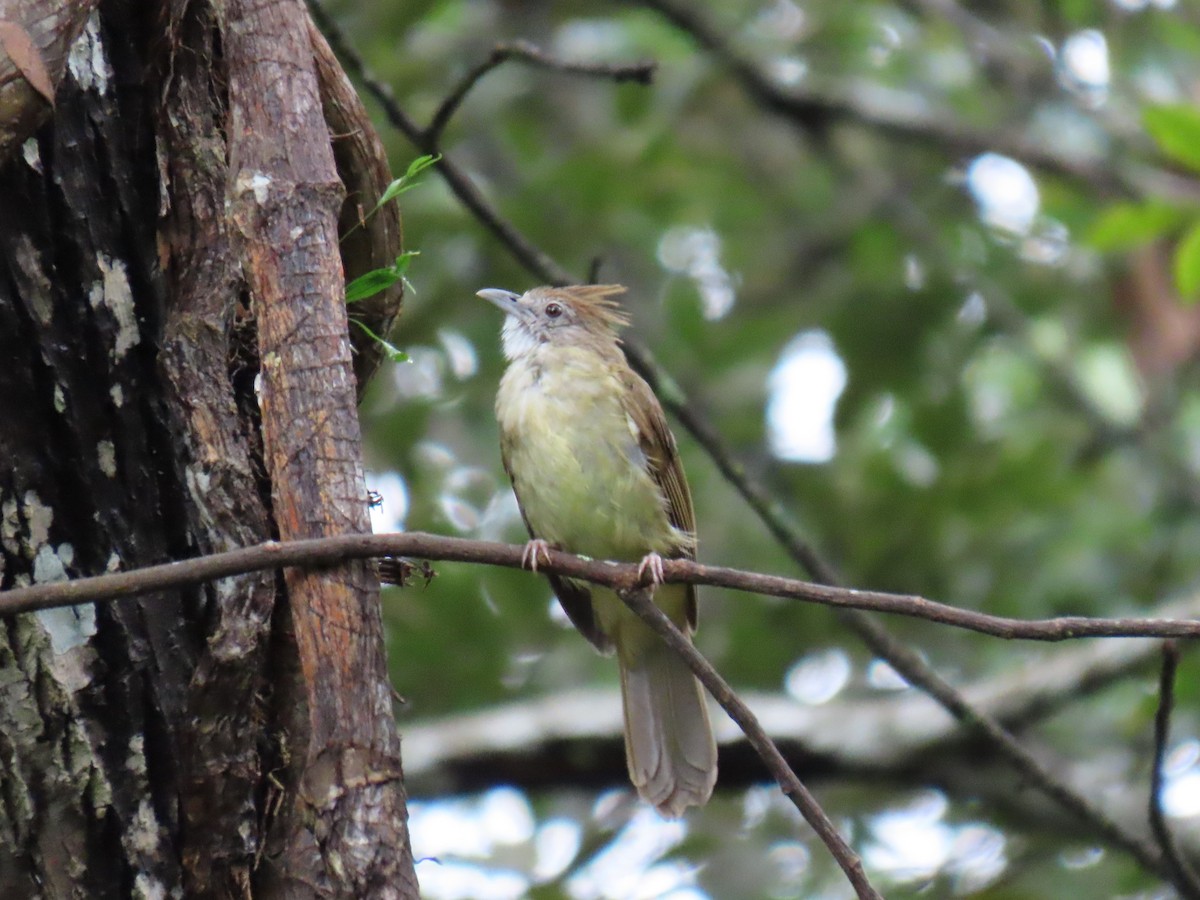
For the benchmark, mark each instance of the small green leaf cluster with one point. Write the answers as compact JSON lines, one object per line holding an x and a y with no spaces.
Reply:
{"x":371,"y":283}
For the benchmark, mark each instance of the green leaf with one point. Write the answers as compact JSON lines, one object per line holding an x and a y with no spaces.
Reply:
{"x":371,"y":283}
{"x":1187,"y":264}
{"x":405,"y":182}
{"x":403,"y":261}
{"x":1125,"y":225}
{"x":394,"y":190}
{"x":420,"y":164}
{"x":1176,"y":130}
{"x":390,"y":350}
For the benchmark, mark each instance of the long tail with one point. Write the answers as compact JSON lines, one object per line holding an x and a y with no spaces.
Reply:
{"x":669,"y":743}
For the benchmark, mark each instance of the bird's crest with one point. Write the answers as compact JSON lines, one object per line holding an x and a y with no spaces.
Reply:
{"x":595,"y":304}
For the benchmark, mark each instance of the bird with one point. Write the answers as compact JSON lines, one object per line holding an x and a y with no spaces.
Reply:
{"x":596,"y":472}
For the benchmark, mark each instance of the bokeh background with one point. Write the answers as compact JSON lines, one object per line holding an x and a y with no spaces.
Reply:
{"x":929,"y":270}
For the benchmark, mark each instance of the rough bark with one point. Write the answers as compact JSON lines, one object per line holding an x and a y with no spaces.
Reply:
{"x":220,"y":469}
{"x":195,"y":743}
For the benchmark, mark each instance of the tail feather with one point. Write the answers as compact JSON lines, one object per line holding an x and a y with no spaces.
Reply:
{"x":669,"y":743}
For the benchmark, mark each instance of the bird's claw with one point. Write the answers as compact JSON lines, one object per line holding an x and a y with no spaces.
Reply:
{"x":533,"y":550}
{"x":651,"y":564}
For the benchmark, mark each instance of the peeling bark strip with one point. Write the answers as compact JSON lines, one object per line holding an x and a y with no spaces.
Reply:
{"x":284,"y":201}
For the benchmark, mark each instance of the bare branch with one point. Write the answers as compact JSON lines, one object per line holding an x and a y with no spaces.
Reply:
{"x":1184,"y":877}
{"x":641,"y":72}
{"x":615,"y":575}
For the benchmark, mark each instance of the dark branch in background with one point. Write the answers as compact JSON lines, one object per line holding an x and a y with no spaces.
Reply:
{"x":471,"y":751}
{"x":1184,"y":875}
{"x":639,"y":601}
{"x":527,"y":254}
{"x":908,"y":664}
{"x":1013,"y":62}
{"x":812,"y":110}
{"x":642,"y":73}
{"x":618,"y":576}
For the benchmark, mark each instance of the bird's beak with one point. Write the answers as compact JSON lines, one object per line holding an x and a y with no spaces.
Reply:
{"x":505,"y":300}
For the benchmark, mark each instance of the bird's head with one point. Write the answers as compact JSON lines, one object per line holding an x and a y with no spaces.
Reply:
{"x":584,"y":315}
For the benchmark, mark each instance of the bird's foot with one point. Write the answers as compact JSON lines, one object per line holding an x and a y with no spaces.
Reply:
{"x":535,"y":549}
{"x":651,"y":569}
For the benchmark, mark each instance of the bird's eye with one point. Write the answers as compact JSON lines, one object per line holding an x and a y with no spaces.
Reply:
{"x":553,"y":310}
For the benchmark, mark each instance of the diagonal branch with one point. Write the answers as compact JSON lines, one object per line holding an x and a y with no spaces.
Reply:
{"x":427,"y":141}
{"x":639,"y":601}
{"x":1184,"y":876}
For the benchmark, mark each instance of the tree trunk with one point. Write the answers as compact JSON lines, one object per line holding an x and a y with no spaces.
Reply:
{"x":172,"y":223}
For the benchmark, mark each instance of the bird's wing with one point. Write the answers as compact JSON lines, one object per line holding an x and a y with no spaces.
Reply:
{"x":573,"y":596}
{"x":662,"y":460}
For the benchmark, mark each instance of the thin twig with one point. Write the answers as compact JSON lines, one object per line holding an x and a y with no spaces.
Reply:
{"x":1018,"y":61}
{"x":1184,"y":879}
{"x":523,"y":51}
{"x":639,"y":601}
{"x":639,"y":72}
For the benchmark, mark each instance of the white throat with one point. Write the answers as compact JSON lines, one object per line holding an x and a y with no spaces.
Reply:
{"x":516,"y":338}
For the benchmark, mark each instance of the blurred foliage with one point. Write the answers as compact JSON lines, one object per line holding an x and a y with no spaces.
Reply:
{"x":1017,"y":431}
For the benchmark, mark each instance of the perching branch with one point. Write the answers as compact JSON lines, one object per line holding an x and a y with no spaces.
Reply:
{"x":617,"y":576}
{"x":621,"y":577}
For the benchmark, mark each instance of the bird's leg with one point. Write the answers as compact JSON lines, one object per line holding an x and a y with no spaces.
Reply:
{"x":651,"y":563}
{"x":533,"y":550}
